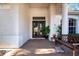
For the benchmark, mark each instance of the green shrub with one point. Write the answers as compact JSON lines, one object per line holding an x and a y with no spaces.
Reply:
{"x":45,"y":31}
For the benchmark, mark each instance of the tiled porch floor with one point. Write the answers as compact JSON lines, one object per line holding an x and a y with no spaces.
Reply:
{"x":39,"y":47}
{"x":42,"y":47}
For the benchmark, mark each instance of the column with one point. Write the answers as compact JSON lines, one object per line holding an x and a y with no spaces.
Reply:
{"x":65,"y":19}
{"x":52,"y":13}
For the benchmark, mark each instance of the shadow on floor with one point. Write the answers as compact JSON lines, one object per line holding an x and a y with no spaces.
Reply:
{"x":40,"y":47}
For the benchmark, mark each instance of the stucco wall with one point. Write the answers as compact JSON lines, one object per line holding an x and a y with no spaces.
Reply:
{"x":23,"y":23}
{"x":14,"y":26}
{"x":16,"y":23}
{"x":38,"y":12}
{"x":8,"y":27}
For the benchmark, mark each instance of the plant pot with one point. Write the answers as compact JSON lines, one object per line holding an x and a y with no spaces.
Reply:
{"x":46,"y":36}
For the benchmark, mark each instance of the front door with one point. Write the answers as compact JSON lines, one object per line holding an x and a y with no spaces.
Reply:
{"x":36,"y":29}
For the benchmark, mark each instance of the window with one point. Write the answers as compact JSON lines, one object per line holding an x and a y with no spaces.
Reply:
{"x":73,"y":6}
{"x":72,"y":26}
{"x":38,"y":18}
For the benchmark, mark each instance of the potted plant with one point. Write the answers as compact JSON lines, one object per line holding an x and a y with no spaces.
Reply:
{"x":59,"y":30}
{"x":45,"y":31}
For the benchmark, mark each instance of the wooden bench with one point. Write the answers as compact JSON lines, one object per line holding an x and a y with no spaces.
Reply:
{"x":70,"y":41}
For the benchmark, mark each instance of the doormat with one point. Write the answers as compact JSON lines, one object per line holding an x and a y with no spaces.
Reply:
{"x":59,"y":50}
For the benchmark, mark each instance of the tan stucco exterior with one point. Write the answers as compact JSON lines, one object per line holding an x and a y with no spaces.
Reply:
{"x":17,"y":21}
